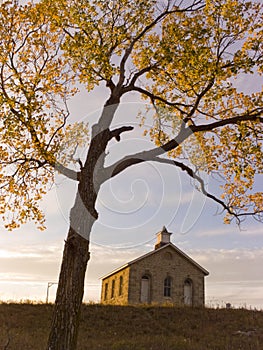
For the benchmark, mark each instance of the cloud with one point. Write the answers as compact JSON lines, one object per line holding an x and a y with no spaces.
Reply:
{"x":255,"y":231}
{"x":30,"y":263}
{"x":231,"y":264}
{"x":225,"y":230}
{"x":239,"y":294}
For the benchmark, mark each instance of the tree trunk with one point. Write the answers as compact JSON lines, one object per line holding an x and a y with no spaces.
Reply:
{"x":66,"y":315}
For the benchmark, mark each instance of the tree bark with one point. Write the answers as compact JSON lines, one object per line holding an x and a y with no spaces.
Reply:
{"x":66,"y":315}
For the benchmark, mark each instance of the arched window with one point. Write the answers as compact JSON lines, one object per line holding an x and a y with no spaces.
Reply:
{"x":106,"y":291}
{"x":121,"y":285}
{"x":145,"y":289}
{"x":188,"y":292}
{"x":112,"y":288}
{"x":167,"y":286}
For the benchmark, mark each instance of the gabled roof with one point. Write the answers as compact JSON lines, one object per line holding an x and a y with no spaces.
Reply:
{"x":179,"y":251}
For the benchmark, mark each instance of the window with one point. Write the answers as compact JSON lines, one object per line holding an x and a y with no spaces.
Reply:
{"x":106,"y":291}
{"x":188,"y":292}
{"x":112,"y":288}
{"x":145,"y":289}
{"x":121,"y":285}
{"x":167,"y":287}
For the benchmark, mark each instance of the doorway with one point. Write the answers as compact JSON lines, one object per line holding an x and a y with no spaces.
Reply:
{"x":145,"y":289}
{"x":188,"y":292}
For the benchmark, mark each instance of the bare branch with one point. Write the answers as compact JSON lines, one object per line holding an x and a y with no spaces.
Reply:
{"x":196,"y":177}
{"x":254,"y":115}
{"x":158,"y":98}
{"x":203,"y":190}
{"x":183,"y":134}
{"x":132,"y":161}
{"x":71,"y":174}
{"x":199,"y":98}
{"x":145,"y":156}
{"x":136,"y":76}
{"x":117,"y":132}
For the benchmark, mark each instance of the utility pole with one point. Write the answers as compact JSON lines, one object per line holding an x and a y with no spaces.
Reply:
{"x":50,"y":284}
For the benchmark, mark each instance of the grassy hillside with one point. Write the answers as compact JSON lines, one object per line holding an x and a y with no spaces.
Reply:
{"x":25,"y":327}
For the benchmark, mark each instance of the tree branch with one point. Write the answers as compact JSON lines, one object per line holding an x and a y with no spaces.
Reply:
{"x":199,"y":97}
{"x":158,"y":98}
{"x":71,"y":174}
{"x":145,"y":156}
{"x":133,"y":42}
{"x":132,"y":161}
{"x":117,"y":132}
{"x":250,"y":116}
{"x":196,"y":5}
{"x":185,"y":132}
{"x":194,"y":176}
{"x":203,"y":190}
{"x":136,"y":76}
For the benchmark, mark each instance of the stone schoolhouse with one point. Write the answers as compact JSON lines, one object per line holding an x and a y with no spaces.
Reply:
{"x":164,"y":275}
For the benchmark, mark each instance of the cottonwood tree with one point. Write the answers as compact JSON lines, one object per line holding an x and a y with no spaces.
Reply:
{"x":184,"y":57}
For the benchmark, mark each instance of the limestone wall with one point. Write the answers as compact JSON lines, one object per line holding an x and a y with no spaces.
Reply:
{"x":120,"y":293}
{"x":166,"y":262}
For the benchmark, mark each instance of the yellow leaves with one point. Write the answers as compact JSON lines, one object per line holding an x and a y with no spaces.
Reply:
{"x":75,"y":136}
{"x":35,"y":82}
{"x":175,"y":153}
{"x":22,"y":186}
{"x":227,"y":219}
{"x":190,"y":59}
{"x":240,"y":163}
{"x":12,"y":225}
{"x":99,"y":34}
{"x":199,"y":47}
{"x":257,"y":199}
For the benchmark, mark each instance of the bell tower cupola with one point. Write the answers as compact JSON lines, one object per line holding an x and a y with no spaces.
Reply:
{"x":163,"y":238}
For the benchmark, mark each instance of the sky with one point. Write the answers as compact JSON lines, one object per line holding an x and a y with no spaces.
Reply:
{"x":132,"y":208}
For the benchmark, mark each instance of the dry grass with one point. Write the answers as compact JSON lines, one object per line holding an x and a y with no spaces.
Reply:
{"x":25,"y":327}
